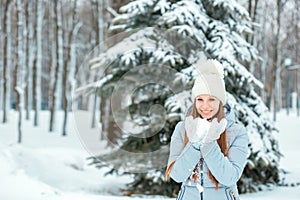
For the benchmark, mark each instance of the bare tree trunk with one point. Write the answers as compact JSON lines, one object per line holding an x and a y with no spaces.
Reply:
{"x":1,"y":54}
{"x":262,"y":47}
{"x":25,"y":42}
{"x":95,"y":111}
{"x":6,"y":60}
{"x":69,"y":69}
{"x":277,"y":58}
{"x":251,"y":38}
{"x":105,"y":118}
{"x":37,"y":94}
{"x":19,"y":72}
{"x":29,"y":15}
{"x":297,"y":60}
{"x":99,"y":41}
{"x":59,"y":64}
{"x":110,"y":130}
{"x":53,"y":60}
{"x":86,"y":100}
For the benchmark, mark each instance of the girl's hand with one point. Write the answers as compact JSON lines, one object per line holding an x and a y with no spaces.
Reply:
{"x":215,"y":130}
{"x":196,"y":129}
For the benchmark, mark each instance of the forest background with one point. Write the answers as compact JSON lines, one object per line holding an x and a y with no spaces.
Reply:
{"x":43,"y":46}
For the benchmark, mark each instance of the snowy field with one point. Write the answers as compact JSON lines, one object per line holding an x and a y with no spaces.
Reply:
{"x":47,"y":166}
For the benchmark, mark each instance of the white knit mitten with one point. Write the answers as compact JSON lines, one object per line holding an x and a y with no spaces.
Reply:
{"x":215,"y":130}
{"x":196,"y":129}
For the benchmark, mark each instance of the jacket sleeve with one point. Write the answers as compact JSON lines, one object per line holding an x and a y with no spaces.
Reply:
{"x":185,"y":157}
{"x":227,"y":170}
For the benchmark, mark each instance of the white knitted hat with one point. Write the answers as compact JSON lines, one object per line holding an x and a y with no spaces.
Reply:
{"x":210,"y":80}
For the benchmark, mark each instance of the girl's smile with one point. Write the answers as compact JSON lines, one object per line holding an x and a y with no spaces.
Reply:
{"x":207,"y":106}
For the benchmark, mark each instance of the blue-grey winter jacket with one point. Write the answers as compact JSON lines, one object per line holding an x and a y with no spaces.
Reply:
{"x":227,"y":170}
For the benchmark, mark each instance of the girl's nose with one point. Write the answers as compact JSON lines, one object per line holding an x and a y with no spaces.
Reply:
{"x":205,"y":104}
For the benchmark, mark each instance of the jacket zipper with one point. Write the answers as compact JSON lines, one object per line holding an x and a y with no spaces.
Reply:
{"x":232,"y":195}
{"x":201,"y":175}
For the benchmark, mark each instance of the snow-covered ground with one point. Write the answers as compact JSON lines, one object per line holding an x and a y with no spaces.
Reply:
{"x":47,"y":166}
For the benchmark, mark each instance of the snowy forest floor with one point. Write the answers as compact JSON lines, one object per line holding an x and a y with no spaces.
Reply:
{"x":47,"y":166}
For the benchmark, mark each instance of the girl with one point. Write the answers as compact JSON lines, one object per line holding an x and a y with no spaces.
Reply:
{"x":208,"y":150}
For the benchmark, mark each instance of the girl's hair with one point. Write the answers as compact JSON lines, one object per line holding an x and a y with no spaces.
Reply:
{"x":222,"y":142}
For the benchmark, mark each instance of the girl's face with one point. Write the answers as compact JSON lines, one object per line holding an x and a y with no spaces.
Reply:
{"x":207,"y":106}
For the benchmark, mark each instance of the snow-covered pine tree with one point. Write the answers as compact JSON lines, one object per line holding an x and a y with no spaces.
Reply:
{"x":182,"y":29}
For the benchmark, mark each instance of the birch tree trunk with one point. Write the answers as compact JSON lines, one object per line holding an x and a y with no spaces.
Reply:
{"x":1,"y":54}
{"x":109,"y":130}
{"x":69,"y":69}
{"x":277,"y":59}
{"x":262,"y":47}
{"x":252,"y":9}
{"x":86,"y":78}
{"x":19,"y":71}
{"x":24,"y":57}
{"x":38,"y":64}
{"x":59,"y":65}
{"x":297,"y":53}
{"x":30,"y":49}
{"x":99,"y":41}
{"x":53,"y":59}
{"x":6,"y":60}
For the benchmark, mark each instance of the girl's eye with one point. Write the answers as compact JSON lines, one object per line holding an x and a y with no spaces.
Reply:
{"x":199,"y":99}
{"x":212,"y":99}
